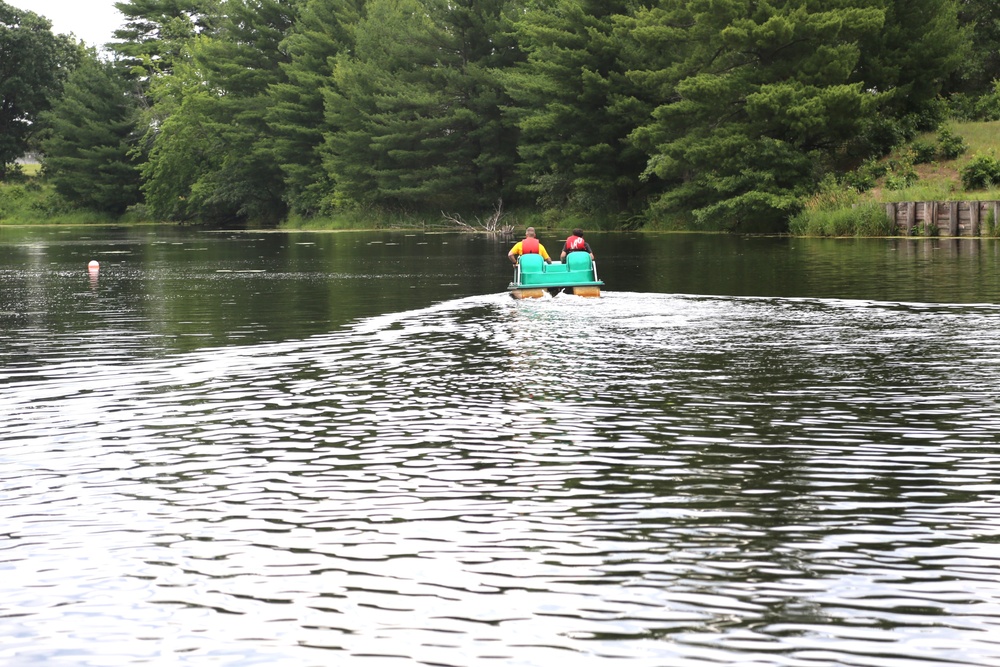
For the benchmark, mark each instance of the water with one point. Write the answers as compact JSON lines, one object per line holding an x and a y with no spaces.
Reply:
{"x":241,"y":449}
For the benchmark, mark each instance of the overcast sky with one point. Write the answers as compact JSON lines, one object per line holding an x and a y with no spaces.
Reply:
{"x":93,"y":21}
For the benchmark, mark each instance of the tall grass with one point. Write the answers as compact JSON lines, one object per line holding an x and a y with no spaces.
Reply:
{"x":860,"y":220}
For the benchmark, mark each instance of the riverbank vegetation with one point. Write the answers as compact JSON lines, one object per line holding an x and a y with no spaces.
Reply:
{"x":675,"y":114}
{"x":957,"y":162}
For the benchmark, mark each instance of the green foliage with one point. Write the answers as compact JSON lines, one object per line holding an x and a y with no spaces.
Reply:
{"x":155,"y":32}
{"x":35,"y":202}
{"x":743,"y":132}
{"x":901,"y":173}
{"x":982,"y":171}
{"x":296,"y":119}
{"x":11,"y":199}
{"x":414,"y":113}
{"x":989,"y":226}
{"x":712,"y":114}
{"x":979,"y":107}
{"x":575,"y":107}
{"x":951,"y":144}
{"x":871,"y":220}
{"x":909,"y":60}
{"x":209,"y":157}
{"x":988,"y":105}
{"x":866,"y":176}
{"x":90,"y":129}
{"x":926,"y":229}
{"x":33,"y":66}
{"x":923,"y":152}
{"x":831,"y":195}
{"x":980,"y":67}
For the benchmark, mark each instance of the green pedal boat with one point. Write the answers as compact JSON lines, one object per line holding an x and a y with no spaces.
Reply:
{"x":533,"y":277}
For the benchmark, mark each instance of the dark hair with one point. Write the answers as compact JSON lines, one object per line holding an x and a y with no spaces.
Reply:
{"x":578,"y":232}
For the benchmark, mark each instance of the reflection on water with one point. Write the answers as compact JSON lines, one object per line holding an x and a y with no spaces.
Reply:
{"x":645,"y":478}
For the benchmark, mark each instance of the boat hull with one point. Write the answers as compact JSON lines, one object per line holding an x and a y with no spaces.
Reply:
{"x":530,"y":293}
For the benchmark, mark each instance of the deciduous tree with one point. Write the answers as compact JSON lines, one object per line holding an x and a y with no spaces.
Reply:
{"x":33,"y":66}
{"x":209,"y":156}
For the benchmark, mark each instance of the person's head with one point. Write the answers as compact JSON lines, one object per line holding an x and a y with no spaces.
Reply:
{"x":578,"y":232}
{"x":530,"y":232}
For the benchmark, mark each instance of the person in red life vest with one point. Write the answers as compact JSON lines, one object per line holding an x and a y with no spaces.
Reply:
{"x":576,"y":242}
{"x":528,"y":246}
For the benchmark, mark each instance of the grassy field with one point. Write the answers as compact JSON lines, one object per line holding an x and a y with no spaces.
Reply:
{"x":32,"y":169}
{"x":941,"y":180}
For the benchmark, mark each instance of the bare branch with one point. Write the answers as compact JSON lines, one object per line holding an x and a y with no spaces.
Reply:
{"x":492,"y":225}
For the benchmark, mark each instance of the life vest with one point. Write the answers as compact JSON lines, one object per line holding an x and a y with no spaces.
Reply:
{"x":575,"y":243}
{"x":529,"y":246}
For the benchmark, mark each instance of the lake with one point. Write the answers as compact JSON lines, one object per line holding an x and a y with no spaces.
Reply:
{"x":260,"y":448}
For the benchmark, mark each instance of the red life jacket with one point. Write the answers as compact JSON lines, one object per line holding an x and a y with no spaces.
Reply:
{"x":529,"y":246}
{"x":575,"y":243}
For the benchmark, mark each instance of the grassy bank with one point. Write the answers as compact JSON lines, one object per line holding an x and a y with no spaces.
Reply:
{"x":925,"y":169}
{"x":32,"y":201}
{"x":29,"y":201}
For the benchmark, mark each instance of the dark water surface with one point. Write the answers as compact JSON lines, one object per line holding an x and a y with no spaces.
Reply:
{"x":356,"y":449}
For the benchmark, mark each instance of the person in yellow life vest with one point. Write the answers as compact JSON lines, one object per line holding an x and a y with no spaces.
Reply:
{"x":528,"y":246}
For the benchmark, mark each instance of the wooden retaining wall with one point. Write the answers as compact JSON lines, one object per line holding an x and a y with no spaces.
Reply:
{"x":945,"y":218}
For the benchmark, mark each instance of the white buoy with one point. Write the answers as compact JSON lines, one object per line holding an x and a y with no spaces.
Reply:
{"x":94,"y":265}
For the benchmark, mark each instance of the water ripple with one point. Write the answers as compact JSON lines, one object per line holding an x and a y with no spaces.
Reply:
{"x":650,"y":478}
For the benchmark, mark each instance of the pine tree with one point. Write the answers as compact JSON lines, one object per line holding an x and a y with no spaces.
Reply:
{"x":980,"y":20}
{"x":755,"y":100}
{"x":575,"y":107}
{"x":414,"y":114}
{"x":90,"y":135}
{"x":155,"y":31}
{"x":909,"y":60}
{"x":323,"y":30}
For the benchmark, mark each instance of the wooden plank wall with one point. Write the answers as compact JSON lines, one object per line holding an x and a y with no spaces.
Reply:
{"x":950,"y":218}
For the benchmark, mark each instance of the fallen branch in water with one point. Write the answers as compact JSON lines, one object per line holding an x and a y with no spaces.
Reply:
{"x":492,"y":225}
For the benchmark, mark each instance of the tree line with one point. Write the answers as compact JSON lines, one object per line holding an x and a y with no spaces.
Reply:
{"x":725,"y":113}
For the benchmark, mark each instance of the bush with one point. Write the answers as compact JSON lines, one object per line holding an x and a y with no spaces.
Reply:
{"x":831,"y":195}
{"x":982,"y":172}
{"x":866,"y":176}
{"x":901,"y":173}
{"x":923,"y":152}
{"x":983,"y":107}
{"x":952,"y":145}
{"x":872,"y":220}
{"x":988,"y":106}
